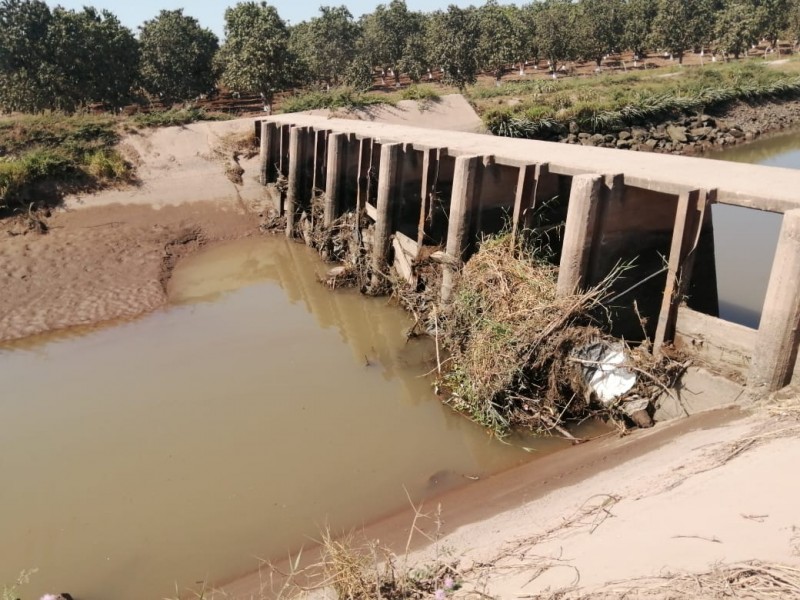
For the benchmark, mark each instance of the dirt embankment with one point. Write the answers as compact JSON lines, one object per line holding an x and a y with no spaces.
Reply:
{"x":108,"y":255}
{"x":736,"y":124}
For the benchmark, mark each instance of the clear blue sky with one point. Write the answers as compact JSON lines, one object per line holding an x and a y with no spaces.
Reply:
{"x":210,"y":12}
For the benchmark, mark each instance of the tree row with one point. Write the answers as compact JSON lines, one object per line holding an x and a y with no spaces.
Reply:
{"x":64,"y":59}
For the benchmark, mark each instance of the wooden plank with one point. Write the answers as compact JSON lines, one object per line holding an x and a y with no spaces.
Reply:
{"x":430,"y":163}
{"x":685,"y":235}
{"x":364,"y":163}
{"x":579,"y":233}
{"x":371,"y":210}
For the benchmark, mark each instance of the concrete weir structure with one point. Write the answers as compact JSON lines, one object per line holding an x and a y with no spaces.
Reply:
{"x":431,"y":189}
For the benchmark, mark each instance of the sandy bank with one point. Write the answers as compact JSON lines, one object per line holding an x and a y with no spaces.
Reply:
{"x":683,"y":497}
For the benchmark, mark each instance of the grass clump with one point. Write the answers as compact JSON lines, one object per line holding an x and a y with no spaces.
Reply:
{"x":517,"y":350}
{"x":343,"y":97}
{"x":58,"y":151}
{"x":176,"y":117}
{"x":612,"y":101}
{"x":421,"y":93}
{"x":509,"y":338}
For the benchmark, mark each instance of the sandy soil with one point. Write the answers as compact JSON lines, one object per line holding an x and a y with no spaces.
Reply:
{"x":109,"y":254}
{"x":680,"y":498}
{"x":451,"y":112}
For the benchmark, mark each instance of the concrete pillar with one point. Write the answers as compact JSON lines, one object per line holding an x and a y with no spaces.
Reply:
{"x":584,"y":203}
{"x":776,"y":345}
{"x":333,"y":177}
{"x":465,"y":180}
{"x":387,"y":192}
{"x":269,"y":132}
{"x":296,"y":164}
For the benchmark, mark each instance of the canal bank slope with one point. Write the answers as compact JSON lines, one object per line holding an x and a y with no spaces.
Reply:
{"x":607,"y":517}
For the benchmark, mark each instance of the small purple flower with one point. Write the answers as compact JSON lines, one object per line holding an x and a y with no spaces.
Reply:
{"x":449,"y":584}
{"x":440,"y":595}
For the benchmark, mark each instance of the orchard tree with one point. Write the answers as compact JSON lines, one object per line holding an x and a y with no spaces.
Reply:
{"x":63,"y":59}
{"x":414,"y":61}
{"x":681,"y":25}
{"x":360,"y":71}
{"x":500,"y":41}
{"x":599,"y":28}
{"x":387,"y":31}
{"x":736,"y":27}
{"x":255,"y":57}
{"x":28,"y":76}
{"x":773,"y":19}
{"x":98,"y":58}
{"x":555,"y":31}
{"x":177,"y":56}
{"x":327,"y":43}
{"x":451,"y":39}
{"x":638,"y":25}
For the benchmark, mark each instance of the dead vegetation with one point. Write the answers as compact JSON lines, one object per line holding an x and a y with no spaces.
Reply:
{"x":510,"y":352}
{"x":517,"y":352}
{"x":756,"y":580}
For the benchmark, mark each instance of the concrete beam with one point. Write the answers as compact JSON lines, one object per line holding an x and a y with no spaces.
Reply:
{"x":390,"y":164}
{"x":462,"y":204}
{"x":333,"y":178}
{"x":776,"y":343}
{"x":582,"y":211}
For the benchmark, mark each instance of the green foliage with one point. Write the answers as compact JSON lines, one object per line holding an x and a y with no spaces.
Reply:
{"x":599,"y":28}
{"x":387,"y":31}
{"x":53,"y":148}
{"x":600,"y":104}
{"x":500,"y":39}
{"x":736,"y":27}
{"x":255,"y":57}
{"x":336,"y":98}
{"x":451,"y":39}
{"x":177,"y":56}
{"x":638,"y":25}
{"x":423,"y":93}
{"x":11,"y":593}
{"x":360,"y":72}
{"x":680,"y":25}
{"x":176,"y":116}
{"x":63,"y":59}
{"x":325,"y":44}
{"x":555,"y":29}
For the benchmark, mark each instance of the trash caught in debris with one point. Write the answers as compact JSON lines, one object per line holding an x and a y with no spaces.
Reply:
{"x":604,"y":371}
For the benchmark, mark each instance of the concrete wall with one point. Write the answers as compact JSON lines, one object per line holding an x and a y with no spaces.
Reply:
{"x":446,"y":189}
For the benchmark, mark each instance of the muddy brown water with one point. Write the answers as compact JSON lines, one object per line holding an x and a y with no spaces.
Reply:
{"x":746,"y":239}
{"x":232,"y":425}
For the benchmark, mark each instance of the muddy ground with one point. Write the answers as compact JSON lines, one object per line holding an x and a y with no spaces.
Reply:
{"x":102,"y":264}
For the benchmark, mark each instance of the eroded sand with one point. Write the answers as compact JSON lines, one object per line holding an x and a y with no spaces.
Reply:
{"x":108,"y":255}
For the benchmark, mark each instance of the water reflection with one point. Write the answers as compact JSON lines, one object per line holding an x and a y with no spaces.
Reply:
{"x":746,"y":239}
{"x":233,"y":425}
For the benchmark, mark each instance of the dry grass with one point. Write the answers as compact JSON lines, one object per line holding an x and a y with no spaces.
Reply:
{"x":753,"y":580}
{"x":511,"y":343}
